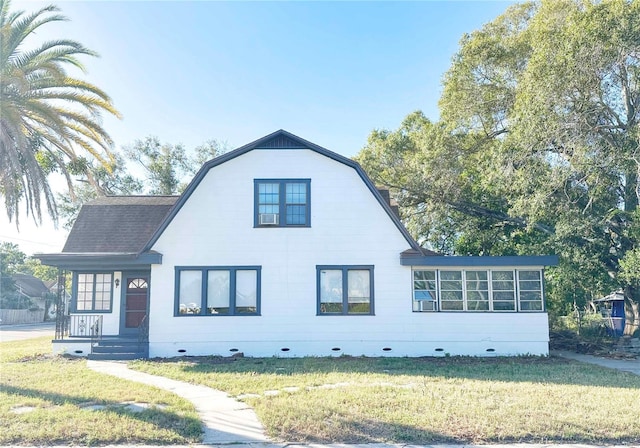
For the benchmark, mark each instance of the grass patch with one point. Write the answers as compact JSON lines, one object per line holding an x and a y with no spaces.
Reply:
{"x":47,"y":399}
{"x":425,"y":400}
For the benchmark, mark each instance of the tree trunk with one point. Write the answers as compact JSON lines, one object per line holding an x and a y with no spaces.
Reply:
{"x":631,"y":310}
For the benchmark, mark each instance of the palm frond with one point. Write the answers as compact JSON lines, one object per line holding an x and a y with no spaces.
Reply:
{"x":44,"y":109}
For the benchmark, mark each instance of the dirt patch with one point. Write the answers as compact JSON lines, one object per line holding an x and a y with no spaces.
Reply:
{"x":213,"y":360}
{"x":22,"y":409}
{"x":38,"y":357}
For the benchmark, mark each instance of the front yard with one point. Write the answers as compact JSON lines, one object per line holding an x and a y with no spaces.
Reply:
{"x":47,"y":400}
{"x":425,"y":400}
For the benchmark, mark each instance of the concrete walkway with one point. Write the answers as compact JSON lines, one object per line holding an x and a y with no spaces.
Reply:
{"x":224,"y":419}
{"x":625,"y":365}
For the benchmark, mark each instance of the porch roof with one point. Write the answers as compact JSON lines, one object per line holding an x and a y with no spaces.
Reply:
{"x":117,"y":224}
{"x":101,"y":260}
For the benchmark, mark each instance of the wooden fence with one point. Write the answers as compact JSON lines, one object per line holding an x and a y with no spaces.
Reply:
{"x":9,"y":317}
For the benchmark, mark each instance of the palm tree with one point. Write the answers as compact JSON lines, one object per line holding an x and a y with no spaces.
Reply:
{"x":49,"y":121}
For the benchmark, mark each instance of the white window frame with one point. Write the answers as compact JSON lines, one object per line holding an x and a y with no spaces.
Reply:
{"x":76,"y":291}
{"x":417,"y":308}
{"x":514,"y":290}
{"x":520,"y":290}
{"x":419,"y":303}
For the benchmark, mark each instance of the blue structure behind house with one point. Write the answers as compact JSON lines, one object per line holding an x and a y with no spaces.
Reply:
{"x":612,"y":308}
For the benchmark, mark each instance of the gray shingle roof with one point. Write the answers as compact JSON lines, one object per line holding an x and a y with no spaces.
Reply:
{"x":29,"y":285}
{"x":117,"y":224}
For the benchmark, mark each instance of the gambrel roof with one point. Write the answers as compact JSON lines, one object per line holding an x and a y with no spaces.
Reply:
{"x":283,"y":140}
{"x":122,"y":229}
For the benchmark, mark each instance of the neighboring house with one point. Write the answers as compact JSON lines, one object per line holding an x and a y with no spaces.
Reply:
{"x":27,"y":303}
{"x":31,"y":288}
{"x":284,"y":248}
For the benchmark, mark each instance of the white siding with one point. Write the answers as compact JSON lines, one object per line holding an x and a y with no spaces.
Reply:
{"x":348,"y":227}
{"x":111,"y":321}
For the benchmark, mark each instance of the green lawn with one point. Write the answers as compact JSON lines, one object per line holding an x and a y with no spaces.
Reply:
{"x":425,"y":400}
{"x":47,"y":400}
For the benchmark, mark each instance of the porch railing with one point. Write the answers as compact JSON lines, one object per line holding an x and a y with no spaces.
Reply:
{"x":85,"y":326}
{"x":96,"y":332}
{"x":143,"y":332}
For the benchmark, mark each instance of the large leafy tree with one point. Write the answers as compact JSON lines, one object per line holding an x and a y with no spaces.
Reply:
{"x":164,"y":164}
{"x":166,"y":168}
{"x":538,"y":145}
{"x":49,"y":120}
{"x":114,"y":181}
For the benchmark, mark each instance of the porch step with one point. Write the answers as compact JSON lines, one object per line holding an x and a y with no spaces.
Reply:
{"x":117,"y":356}
{"x":119,"y":349}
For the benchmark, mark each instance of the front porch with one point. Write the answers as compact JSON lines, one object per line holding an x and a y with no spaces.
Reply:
{"x":81,"y":335}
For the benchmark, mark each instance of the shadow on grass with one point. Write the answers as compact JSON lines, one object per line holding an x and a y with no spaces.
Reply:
{"x":189,"y":428}
{"x":375,"y":431}
{"x":549,"y":370}
{"x":372,"y":431}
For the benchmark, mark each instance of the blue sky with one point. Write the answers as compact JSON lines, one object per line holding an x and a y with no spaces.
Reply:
{"x":330,"y":72}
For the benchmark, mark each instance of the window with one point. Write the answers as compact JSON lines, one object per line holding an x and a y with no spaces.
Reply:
{"x":218,"y":291}
{"x":345,"y":289}
{"x":530,"y":290}
{"x":503,"y":293}
{"x":477,"y":290}
{"x":282,"y":203}
{"x":451,"y":291}
{"x":93,"y":292}
{"x":424,"y":291}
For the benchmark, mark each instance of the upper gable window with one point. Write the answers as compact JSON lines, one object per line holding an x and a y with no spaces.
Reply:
{"x":282,"y":203}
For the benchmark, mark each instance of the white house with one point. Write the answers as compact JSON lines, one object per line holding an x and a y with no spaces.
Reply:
{"x":284,"y":248}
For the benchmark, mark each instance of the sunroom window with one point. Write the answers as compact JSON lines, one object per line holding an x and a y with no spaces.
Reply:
{"x":451,"y":291}
{"x":477,"y":290}
{"x":530,"y":290}
{"x":503,"y":292}
{"x":425,"y":291}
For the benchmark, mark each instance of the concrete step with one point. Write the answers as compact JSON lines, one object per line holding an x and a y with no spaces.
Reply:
{"x":117,"y":356}
{"x":117,"y":342}
{"x":118,"y":348}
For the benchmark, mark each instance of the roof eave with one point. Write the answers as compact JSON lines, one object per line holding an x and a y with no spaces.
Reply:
{"x":473,"y":261}
{"x":76,"y":261}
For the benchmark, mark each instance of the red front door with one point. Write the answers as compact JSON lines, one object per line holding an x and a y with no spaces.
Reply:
{"x":135,"y":301}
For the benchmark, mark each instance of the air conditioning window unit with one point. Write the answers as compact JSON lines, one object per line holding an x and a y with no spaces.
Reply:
{"x":268,"y":219}
{"x":427,"y":305}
